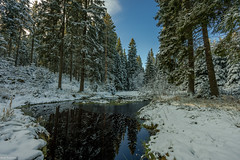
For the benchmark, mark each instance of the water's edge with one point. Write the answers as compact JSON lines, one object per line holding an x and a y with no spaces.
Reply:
{"x":46,"y":110}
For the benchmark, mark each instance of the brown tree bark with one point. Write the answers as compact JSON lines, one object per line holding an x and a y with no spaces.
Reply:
{"x":209,"y":61}
{"x":61,"y":49}
{"x":83,"y":52}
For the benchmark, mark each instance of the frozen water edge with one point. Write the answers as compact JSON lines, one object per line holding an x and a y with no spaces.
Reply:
{"x":193,"y":133}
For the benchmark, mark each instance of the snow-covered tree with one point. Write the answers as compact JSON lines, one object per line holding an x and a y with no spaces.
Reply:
{"x":15,"y":19}
{"x":48,"y":34}
{"x":93,"y":13}
{"x":124,"y":70}
{"x":150,"y":72}
{"x":110,"y":47}
{"x":132,"y":66}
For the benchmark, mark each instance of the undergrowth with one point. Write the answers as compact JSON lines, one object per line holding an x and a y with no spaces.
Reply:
{"x":7,"y":112}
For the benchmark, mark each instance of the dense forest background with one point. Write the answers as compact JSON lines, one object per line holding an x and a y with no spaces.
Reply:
{"x":78,"y":38}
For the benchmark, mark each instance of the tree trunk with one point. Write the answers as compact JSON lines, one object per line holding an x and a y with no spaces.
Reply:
{"x":190,"y":63}
{"x":209,"y":61}
{"x":83,"y":52}
{"x":18,"y":46}
{"x":32,"y":49}
{"x":71,"y":66}
{"x":10,"y":47}
{"x":106,"y":63}
{"x":61,"y":49}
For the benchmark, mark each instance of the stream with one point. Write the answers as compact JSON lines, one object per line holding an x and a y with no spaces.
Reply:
{"x":93,"y":131}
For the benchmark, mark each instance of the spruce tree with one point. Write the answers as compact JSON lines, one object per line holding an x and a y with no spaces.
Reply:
{"x":172,"y":50}
{"x":204,"y":17}
{"x":150,"y":69}
{"x":15,"y":19}
{"x":119,"y":66}
{"x":61,"y":49}
{"x":93,"y":11}
{"x":132,"y":65}
{"x":124,"y":70}
{"x":48,"y":34}
{"x":110,"y":47}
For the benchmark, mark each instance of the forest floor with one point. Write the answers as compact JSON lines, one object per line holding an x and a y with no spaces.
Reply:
{"x":187,"y":128}
{"x":193,"y":128}
{"x":19,"y":133}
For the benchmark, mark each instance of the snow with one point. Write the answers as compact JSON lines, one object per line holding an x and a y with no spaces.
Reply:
{"x":185,"y":132}
{"x":19,"y":138}
{"x":193,"y":133}
{"x":33,"y":85}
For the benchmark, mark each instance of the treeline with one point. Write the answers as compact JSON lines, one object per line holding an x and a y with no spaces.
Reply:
{"x":185,"y":42}
{"x":75,"y":37}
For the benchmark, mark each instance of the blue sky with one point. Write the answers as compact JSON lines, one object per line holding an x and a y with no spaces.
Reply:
{"x":135,"y":19}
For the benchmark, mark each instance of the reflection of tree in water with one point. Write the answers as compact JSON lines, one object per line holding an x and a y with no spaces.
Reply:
{"x":85,"y":135}
{"x":132,"y":134}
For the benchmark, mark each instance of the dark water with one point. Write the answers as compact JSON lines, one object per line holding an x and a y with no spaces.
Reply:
{"x":98,"y":132}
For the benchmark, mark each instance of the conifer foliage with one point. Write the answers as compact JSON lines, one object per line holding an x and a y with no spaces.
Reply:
{"x":132,"y":65}
{"x":74,"y":37}
{"x":150,"y":68}
{"x":184,"y":37}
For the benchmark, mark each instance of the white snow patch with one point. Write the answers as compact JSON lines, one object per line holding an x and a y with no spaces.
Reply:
{"x":193,"y":133}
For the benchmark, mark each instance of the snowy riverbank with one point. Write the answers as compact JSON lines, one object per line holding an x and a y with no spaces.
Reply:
{"x":19,"y":134}
{"x":193,"y":133}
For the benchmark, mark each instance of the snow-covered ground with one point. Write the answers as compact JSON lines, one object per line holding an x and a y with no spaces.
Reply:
{"x":32,"y":85}
{"x":193,"y":133}
{"x":185,"y":132}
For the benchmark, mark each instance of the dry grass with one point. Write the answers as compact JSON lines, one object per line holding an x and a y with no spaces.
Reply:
{"x":7,"y":112}
{"x":223,"y":102}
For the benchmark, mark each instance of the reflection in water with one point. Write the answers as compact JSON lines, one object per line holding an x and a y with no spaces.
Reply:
{"x":80,"y":134}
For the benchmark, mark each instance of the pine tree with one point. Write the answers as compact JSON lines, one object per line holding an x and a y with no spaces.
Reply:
{"x":172,"y":51}
{"x":119,"y":66}
{"x":132,"y":65}
{"x":9,"y":29}
{"x":61,"y":49}
{"x":208,"y":8}
{"x":15,"y":18}
{"x":73,"y":36}
{"x":139,"y":62}
{"x":93,"y":11}
{"x":150,"y":69}
{"x":118,"y":73}
{"x":110,"y":47}
{"x":48,"y":34}
{"x":124,"y":70}
{"x":34,"y":15}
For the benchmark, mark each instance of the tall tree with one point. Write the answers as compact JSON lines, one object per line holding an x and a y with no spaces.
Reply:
{"x":34,"y":15}
{"x":61,"y":50}
{"x":150,"y":68}
{"x":110,"y":46}
{"x":206,"y":16}
{"x":132,"y":63}
{"x":124,"y":70}
{"x":172,"y":50}
{"x":48,"y":33}
{"x":93,"y":13}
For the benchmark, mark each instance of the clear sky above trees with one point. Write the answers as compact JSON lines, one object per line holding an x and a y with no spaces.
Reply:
{"x":135,"y":19}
